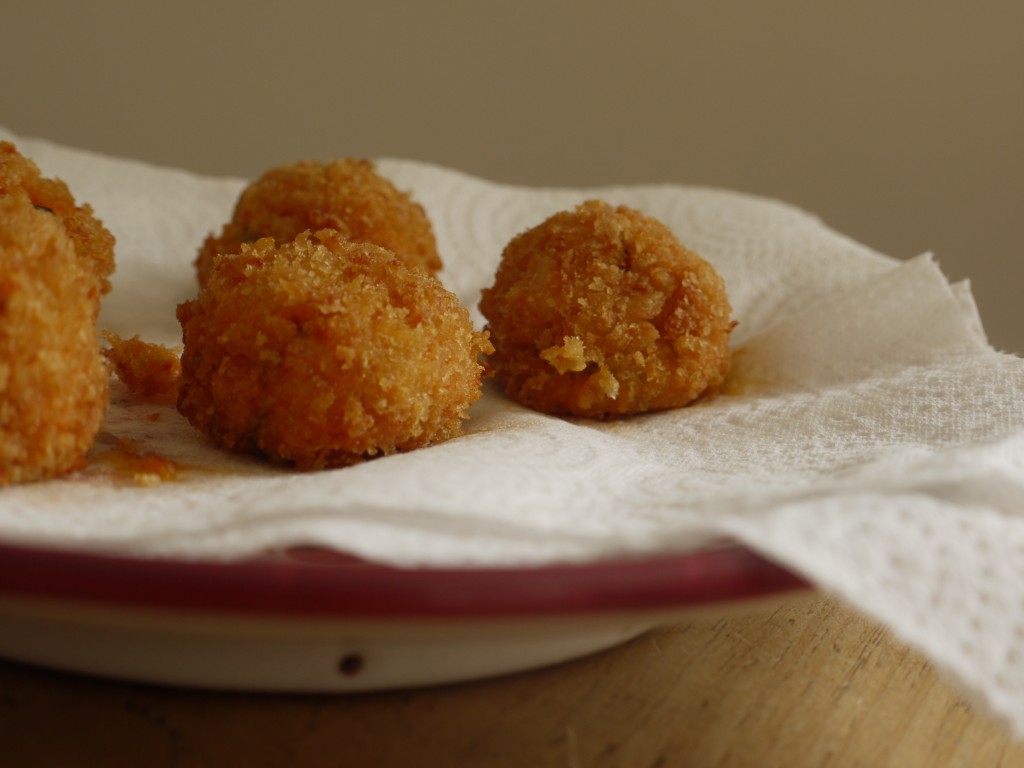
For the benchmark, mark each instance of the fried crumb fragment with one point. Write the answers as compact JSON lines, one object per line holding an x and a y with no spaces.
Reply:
{"x":569,"y":356}
{"x":94,"y":245}
{"x":148,"y":370}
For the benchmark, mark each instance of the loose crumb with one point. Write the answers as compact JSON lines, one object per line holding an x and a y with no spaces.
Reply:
{"x":148,"y":370}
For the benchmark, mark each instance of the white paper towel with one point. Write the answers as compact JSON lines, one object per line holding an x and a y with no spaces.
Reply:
{"x":868,"y":438}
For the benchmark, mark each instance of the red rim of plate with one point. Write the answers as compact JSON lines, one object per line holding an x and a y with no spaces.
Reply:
{"x":307,"y":582}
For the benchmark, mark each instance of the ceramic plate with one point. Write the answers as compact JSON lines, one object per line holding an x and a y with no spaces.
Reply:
{"x":310,"y":619}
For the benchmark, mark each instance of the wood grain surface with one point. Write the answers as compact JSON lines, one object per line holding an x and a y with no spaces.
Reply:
{"x":807,"y":683}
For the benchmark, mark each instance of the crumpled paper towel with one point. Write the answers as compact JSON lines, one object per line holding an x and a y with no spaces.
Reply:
{"x":869,"y":438}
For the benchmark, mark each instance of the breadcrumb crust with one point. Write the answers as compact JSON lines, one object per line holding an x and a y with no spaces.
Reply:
{"x":600,"y":312}
{"x":94,"y":244}
{"x":54,"y":383}
{"x":322,"y":352}
{"x":347,"y":195}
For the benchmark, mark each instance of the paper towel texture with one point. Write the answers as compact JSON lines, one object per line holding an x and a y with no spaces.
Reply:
{"x":868,"y":437}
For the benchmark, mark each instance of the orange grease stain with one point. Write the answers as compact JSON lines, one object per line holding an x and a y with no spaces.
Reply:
{"x":126,"y":460}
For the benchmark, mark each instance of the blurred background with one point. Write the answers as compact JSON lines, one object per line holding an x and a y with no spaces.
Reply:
{"x":899,"y":124}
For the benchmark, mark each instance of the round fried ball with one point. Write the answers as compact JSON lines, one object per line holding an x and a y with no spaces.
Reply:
{"x":601,"y":312}
{"x":94,"y":244}
{"x":322,"y":352}
{"x":53,"y":379}
{"x":348,"y":196}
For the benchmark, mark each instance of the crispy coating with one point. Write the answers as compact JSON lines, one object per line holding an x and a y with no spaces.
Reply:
{"x":53,"y":379}
{"x":348,"y":196}
{"x":94,"y":244}
{"x":148,"y":370}
{"x":322,"y":352}
{"x":601,"y":312}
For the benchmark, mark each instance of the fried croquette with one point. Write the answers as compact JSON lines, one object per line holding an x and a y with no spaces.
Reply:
{"x":348,"y":196}
{"x":148,"y":370}
{"x":322,"y":352}
{"x":53,"y":379}
{"x":94,"y":244}
{"x":601,"y":312}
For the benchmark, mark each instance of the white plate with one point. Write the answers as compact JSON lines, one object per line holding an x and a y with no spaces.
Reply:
{"x":315,"y":620}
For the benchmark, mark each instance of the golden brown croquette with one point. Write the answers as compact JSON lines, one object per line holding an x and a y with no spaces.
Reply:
{"x":20,"y":177}
{"x":53,"y":379}
{"x":601,"y":312}
{"x":322,"y":352}
{"x":347,"y":195}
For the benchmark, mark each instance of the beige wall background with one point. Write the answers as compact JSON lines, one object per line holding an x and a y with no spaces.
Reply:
{"x":901,"y":124}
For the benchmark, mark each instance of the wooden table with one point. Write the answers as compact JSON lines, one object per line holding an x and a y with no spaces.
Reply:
{"x":807,"y":683}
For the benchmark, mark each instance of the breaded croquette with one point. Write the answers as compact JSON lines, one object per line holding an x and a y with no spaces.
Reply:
{"x":601,"y":312}
{"x":53,"y":379}
{"x":323,"y":352}
{"x":20,"y":176}
{"x":348,"y":196}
